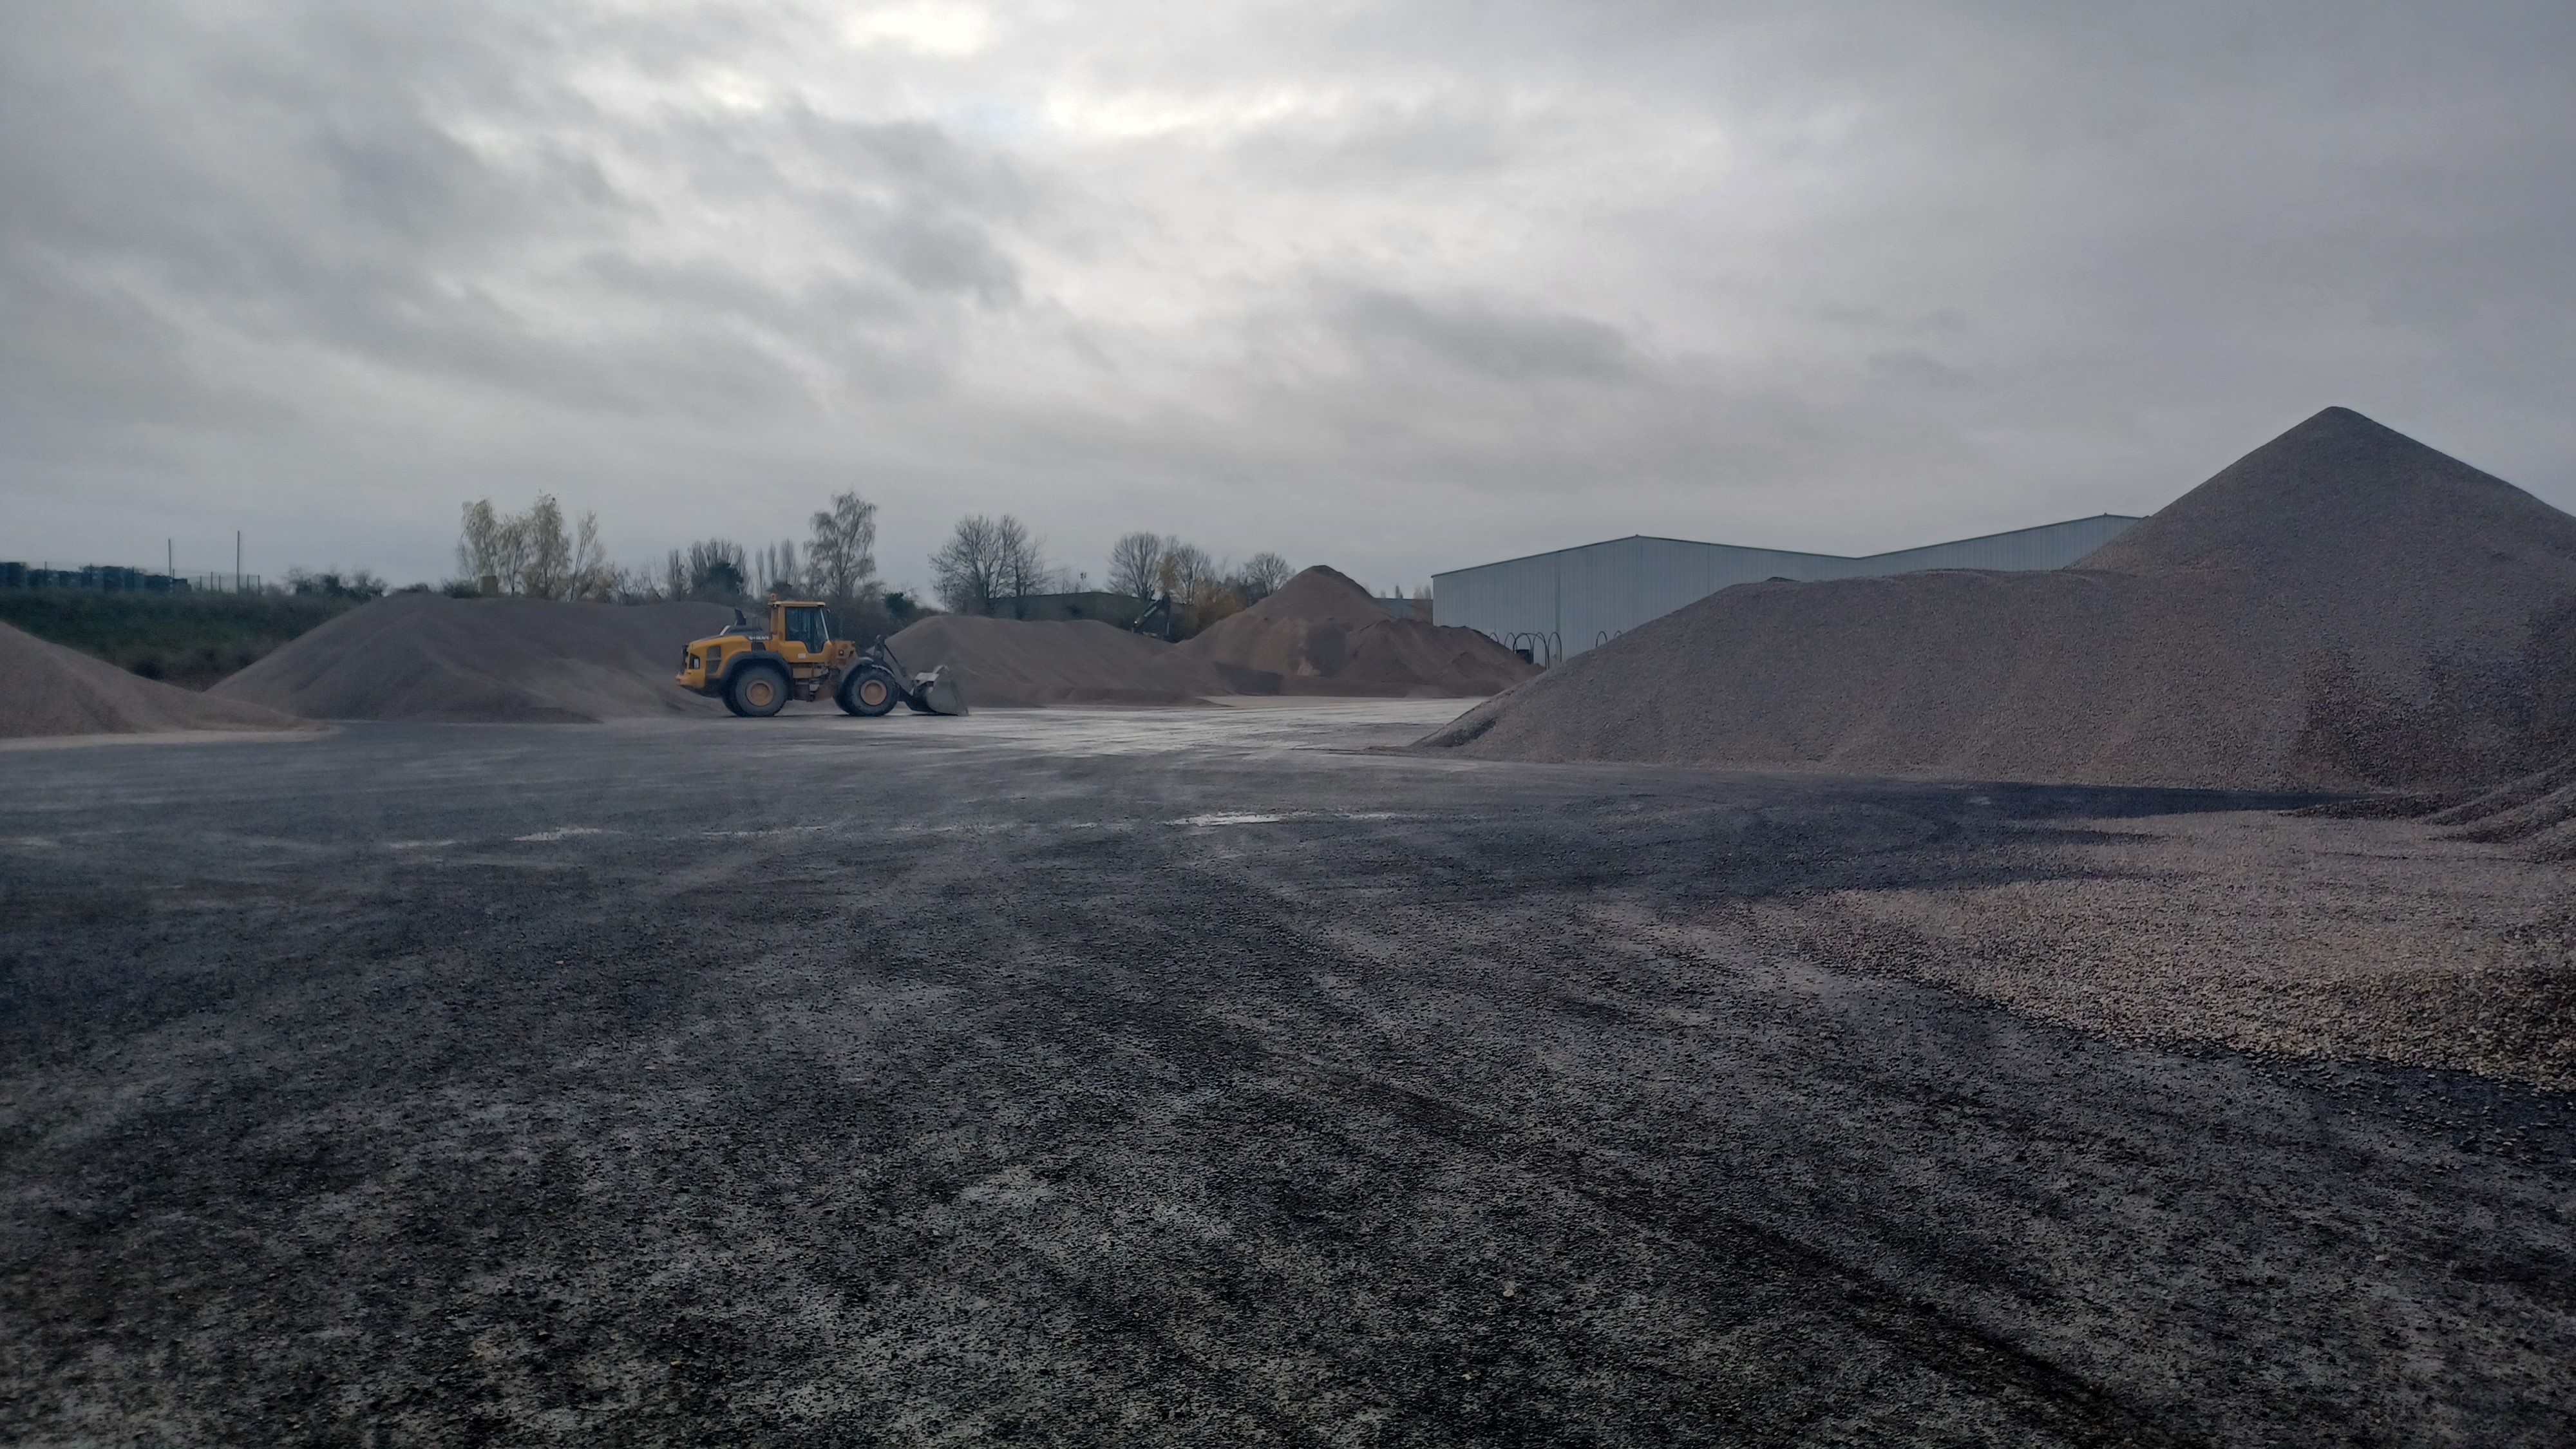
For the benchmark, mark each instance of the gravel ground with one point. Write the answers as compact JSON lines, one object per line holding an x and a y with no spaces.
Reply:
{"x":2369,"y":939}
{"x":1161,"y":1078}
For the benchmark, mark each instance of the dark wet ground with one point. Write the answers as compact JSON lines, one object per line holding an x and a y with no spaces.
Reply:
{"x":1159,"y":1079}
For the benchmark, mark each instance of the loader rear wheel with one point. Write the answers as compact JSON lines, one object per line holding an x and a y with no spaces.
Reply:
{"x":868,"y":693}
{"x":758,"y":690}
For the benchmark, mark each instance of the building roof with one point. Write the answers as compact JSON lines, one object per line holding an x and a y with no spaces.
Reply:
{"x":1789,"y":552}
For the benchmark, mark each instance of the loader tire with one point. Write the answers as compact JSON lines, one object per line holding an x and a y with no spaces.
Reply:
{"x":757,"y":690}
{"x":868,"y":693}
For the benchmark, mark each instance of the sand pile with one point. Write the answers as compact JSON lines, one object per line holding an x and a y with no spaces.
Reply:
{"x":1324,"y":634}
{"x":2343,"y":606}
{"x":1013,"y":664}
{"x":57,"y":691}
{"x":428,"y":657}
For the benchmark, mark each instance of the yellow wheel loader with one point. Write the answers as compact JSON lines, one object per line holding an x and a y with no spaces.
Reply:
{"x":756,"y":670}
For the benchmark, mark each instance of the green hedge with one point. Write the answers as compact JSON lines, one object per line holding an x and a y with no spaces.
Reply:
{"x":190,"y":640}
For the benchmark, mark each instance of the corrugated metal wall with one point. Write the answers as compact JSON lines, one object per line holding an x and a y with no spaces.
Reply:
{"x":1562,"y":603}
{"x":2049,"y":546}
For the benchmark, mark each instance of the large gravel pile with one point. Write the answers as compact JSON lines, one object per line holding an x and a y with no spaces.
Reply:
{"x":1014,"y":664}
{"x":57,"y":691}
{"x":428,"y":657}
{"x":1323,"y":634}
{"x":2342,"y":606}
{"x":2537,"y":811}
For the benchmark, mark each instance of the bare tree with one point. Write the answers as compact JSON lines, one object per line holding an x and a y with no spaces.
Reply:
{"x":511,"y":555}
{"x":969,"y":569}
{"x":1024,"y":565}
{"x":545,"y":566}
{"x":593,"y":576}
{"x":632,"y":586}
{"x":843,"y":550}
{"x":1183,"y":569}
{"x":675,"y":576}
{"x":1261,"y":576}
{"x":530,"y":553}
{"x":494,"y":547}
{"x":1136,"y":565}
{"x":478,"y":547}
{"x":775,"y":570}
{"x":718,"y":571}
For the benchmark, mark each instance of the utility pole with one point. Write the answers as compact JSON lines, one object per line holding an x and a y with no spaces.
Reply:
{"x":236,"y":560}
{"x":169,"y":558}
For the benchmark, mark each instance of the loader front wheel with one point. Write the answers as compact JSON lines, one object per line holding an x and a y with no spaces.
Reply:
{"x":757,"y":690}
{"x":868,"y":693}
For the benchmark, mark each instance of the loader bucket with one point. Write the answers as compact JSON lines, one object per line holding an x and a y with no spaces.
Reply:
{"x":936,"y":693}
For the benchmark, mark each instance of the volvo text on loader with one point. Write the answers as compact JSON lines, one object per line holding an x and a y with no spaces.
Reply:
{"x":756,"y":670}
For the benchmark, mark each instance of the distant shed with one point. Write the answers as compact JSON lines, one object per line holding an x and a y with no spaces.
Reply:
{"x":1561,"y":603}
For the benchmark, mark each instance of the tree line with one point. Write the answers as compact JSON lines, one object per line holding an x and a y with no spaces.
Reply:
{"x":986,"y":562}
{"x":534,"y":555}
{"x":992,"y":561}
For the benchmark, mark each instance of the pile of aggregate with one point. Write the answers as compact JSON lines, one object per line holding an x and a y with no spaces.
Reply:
{"x":1321,"y":633}
{"x":420,"y":656}
{"x":57,"y":691}
{"x":1020,"y":664}
{"x":2343,"y":607}
{"x":2536,"y":812}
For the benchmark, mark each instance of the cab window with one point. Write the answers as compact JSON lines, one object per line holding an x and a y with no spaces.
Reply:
{"x":806,"y":627}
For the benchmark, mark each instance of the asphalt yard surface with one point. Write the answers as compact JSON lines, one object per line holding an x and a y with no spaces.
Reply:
{"x":1161,"y":1078}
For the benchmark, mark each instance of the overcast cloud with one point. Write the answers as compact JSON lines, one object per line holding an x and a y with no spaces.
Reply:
{"x":1398,"y":287}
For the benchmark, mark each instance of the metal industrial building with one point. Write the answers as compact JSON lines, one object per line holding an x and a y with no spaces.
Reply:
{"x":1561,"y":603}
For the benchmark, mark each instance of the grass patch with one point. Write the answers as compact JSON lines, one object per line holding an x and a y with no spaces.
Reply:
{"x":190,"y":640}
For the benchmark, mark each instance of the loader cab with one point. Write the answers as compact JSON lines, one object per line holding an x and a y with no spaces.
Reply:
{"x":807,"y":624}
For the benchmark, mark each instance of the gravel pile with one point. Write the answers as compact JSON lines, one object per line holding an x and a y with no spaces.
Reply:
{"x":2341,"y":607}
{"x":429,"y":657}
{"x":1323,"y":634}
{"x":1015,"y":664}
{"x":2537,"y":811}
{"x":58,"y":691}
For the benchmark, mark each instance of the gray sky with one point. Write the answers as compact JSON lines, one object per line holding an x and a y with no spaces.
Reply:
{"x":1397,"y":287}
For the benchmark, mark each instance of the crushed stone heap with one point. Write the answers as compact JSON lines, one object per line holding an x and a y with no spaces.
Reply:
{"x":57,"y":691}
{"x":1016,"y":664}
{"x":1323,"y":634}
{"x":2536,"y":812}
{"x":2341,"y":607}
{"x":429,"y":657}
